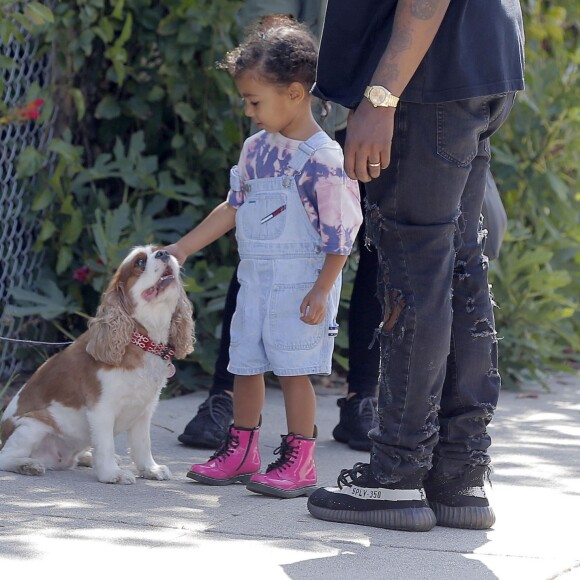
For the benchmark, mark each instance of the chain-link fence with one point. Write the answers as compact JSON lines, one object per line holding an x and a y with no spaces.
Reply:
{"x":19,"y":264}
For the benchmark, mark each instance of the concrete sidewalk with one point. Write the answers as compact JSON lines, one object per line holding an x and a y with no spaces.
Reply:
{"x":66,"y":524}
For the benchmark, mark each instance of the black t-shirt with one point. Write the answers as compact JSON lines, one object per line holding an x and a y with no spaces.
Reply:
{"x":477,"y":51}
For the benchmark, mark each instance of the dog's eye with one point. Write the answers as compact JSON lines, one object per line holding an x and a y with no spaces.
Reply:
{"x":140,"y":262}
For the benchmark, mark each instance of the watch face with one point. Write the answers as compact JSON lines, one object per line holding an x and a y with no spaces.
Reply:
{"x":377,"y":95}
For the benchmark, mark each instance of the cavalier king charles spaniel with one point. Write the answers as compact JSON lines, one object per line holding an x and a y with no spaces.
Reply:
{"x":106,"y":382}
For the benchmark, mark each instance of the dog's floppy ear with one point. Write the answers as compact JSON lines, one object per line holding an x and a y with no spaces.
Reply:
{"x":110,"y":331}
{"x":181,"y":333}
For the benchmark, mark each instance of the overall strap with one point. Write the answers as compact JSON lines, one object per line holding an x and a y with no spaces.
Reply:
{"x":306,"y":149}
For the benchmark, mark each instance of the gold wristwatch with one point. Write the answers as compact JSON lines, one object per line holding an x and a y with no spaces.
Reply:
{"x":379,"y":96}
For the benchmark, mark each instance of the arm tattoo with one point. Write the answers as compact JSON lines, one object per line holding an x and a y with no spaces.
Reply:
{"x":391,"y":73}
{"x":424,"y":9}
{"x":400,"y":41}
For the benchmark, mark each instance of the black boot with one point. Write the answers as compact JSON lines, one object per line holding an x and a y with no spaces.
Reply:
{"x":208,"y":429}
{"x":358,"y":415}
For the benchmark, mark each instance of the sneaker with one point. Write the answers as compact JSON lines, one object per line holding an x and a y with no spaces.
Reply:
{"x":208,"y":429}
{"x":361,"y":499}
{"x":358,"y":415}
{"x":461,"y":502}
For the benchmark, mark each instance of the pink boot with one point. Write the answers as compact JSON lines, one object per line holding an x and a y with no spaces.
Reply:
{"x":293,"y":473}
{"x":235,"y":461}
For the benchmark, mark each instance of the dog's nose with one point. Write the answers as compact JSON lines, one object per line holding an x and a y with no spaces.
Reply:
{"x":163,"y":256}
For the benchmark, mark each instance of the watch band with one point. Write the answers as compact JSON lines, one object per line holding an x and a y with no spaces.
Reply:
{"x":387,"y":100}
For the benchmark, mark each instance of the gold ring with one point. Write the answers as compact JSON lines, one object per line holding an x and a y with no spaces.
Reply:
{"x":373,"y":164}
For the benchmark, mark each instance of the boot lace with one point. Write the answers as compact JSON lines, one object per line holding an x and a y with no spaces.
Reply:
{"x":218,"y":408}
{"x":367,"y":411}
{"x":229,"y":445}
{"x":287,"y":452}
{"x":357,"y":475}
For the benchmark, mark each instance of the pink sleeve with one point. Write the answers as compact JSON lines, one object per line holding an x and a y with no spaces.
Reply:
{"x":339,"y":208}
{"x":235,"y":196}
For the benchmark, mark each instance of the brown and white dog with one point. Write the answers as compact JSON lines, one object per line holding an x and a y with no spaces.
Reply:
{"x":108,"y":381}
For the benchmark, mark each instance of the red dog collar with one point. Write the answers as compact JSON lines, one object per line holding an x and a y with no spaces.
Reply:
{"x":165,"y":351}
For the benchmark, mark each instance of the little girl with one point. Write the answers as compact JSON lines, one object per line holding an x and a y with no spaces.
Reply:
{"x":296,"y":215}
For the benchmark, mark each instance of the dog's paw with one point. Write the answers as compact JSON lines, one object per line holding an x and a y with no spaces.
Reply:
{"x":31,"y":468}
{"x":158,"y":472}
{"x":85,"y":459}
{"x":121,"y":476}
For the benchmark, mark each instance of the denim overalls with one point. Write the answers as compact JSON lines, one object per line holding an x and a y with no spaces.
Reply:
{"x":281,"y":258}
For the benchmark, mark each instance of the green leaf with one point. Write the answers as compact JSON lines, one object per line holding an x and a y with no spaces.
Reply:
{"x":30,"y":162}
{"x":118,"y":57}
{"x":85,"y":40}
{"x":7,"y":28}
{"x":7,"y":62}
{"x":105,"y":30}
{"x":42,"y":199}
{"x":185,"y":111}
{"x":199,"y":140}
{"x":118,"y":11}
{"x":73,"y":228}
{"x":126,"y":32}
{"x":69,"y":153}
{"x":138,"y":108}
{"x":108,"y":108}
{"x":38,"y":14}
{"x":46,"y":231}
{"x":156,"y":94}
{"x":136,"y":145}
{"x":49,"y":302}
{"x":177,"y":142}
{"x":558,"y":185}
{"x":64,"y":259}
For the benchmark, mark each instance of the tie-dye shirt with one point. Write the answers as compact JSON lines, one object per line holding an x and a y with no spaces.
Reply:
{"x":330,"y":197}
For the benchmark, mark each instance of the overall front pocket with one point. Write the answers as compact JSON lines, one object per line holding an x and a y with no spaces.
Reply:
{"x":262,"y":217}
{"x":287,"y":330}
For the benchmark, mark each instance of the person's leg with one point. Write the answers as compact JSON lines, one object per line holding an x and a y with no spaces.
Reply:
{"x":461,"y":463}
{"x":223,"y":380}
{"x":250,"y":392}
{"x":427,"y":230}
{"x":412,"y":218}
{"x":209,"y":426}
{"x":293,"y":474}
{"x":455,"y":483}
{"x":300,"y":404}
{"x":364,"y":317}
{"x":358,"y":409}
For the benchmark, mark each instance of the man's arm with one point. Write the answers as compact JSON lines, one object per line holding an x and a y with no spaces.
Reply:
{"x":370,"y":129}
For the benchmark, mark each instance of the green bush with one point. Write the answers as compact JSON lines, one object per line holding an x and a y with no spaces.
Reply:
{"x":146,"y":131}
{"x":147,"y":128}
{"x":536,"y":281}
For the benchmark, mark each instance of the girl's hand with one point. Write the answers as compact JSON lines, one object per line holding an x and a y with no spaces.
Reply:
{"x":313,"y":307}
{"x":176,"y":251}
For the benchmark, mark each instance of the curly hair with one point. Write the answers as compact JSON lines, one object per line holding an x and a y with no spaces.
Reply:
{"x":279,"y":49}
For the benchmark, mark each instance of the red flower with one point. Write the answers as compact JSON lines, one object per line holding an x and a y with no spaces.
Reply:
{"x":25,"y":113}
{"x":81,"y":274}
{"x":31,"y":110}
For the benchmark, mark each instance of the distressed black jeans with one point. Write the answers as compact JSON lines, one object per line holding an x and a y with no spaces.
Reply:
{"x":439,"y":381}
